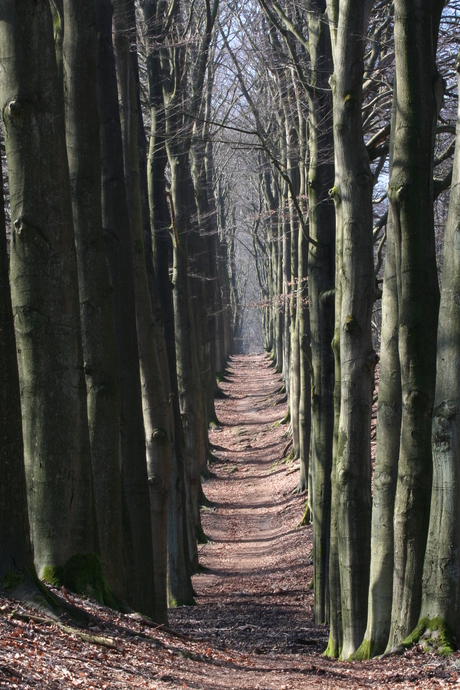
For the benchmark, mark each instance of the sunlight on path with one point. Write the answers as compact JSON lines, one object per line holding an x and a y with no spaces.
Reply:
{"x":257,"y":567}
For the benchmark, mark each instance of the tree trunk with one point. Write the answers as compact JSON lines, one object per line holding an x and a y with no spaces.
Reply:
{"x":334,"y":647}
{"x":154,"y":401}
{"x":353,"y":194}
{"x":410,"y":194}
{"x":186,"y":369}
{"x":294,"y":301}
{"x":115,"y":221}
{"x":16,"y":556}
{"x":179,"y":583}
{"x":99,"y":349}
{"x":321,"y":281}
{"x":45,"y":290}
{"x":386,"y":460}
{"x":441,"y":572}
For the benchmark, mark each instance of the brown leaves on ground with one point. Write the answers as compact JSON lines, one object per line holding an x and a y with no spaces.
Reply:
{"x":252,"y":626}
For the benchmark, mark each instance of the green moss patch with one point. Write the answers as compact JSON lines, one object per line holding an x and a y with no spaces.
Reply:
{"x":82,"y":574}
{"x":287,"y":418}
{"x":176,"y":603}
{"x":211,"y":458}
{"x":434,"y":634}
{"x":220,"y":377}
{"x":290,"y":456}
{"x":54,"y":575}
{"x":331,"y":652}
{"x":306,"y":518}
{"x":365,"y":651}
{"x":10,"y":579}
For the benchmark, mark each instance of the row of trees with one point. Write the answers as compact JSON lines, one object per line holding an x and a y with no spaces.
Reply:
{"x":117,"y":304}
{"x":137,"y":135}
{"x":352,"y":106}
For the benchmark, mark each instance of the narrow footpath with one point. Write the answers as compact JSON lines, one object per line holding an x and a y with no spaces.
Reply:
{"x":253,"y":592}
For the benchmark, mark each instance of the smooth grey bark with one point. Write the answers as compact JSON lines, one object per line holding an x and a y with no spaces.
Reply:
{"x":155,"y":403}
{"x":119,"y":251}
{"x":441,"y":571}
{"x":200,"y":338}
{"x":285,"y":261}
{"x":214,"y":353}
{"x":98,"y":333}
{"x":335,"y":642}
{"x":295,"y":296}
{"x":45,"y":289}
{"x":386,"y":468}
{"x":221,"y":262}
{"x":410,"y":195}
{"x":303,"y":327}
{"x":270,"y":206}
{"x":321,"y":280}
{"x":182,"y":74}
{"x":185,"y":346}
{"x":386,"y":460}
{"x":179,"y":583}
{"x":16,"y":555}
{"x":353,"y":196}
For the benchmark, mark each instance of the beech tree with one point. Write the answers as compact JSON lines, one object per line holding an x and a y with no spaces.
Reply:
{"x":45,"y":291}
{"x":16,"y":555}
{"x":182,"y":87}
{"x":441,"y":565}
{"x":79,"y":51}
{"x":411,"y":200}
{"x":155,"y":403}
{"x":352,"y":195}
{"x":180,"y":590}
{"x":119,"y":250}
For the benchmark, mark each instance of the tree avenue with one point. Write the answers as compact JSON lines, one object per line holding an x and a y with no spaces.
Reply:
{"x":187,"y":180}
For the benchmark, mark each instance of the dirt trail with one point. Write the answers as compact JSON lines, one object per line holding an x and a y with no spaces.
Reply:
{"x":253,"y":593}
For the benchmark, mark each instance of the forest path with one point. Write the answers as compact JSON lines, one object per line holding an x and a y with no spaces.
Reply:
{"x":252,"y":594}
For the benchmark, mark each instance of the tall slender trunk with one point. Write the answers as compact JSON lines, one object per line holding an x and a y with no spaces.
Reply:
{"x":294,"y":301}
{"x":441,"y":572}
{"x":185,"y":344}
{"x":98,"y":332}
{"x":410,"y":194}
{"x":386,"y":460}
{"x":16,"y":555}
{"x":119,"y":251}
{"x":335,"y":643}
{"x":321,"y":281}
{"x":179,"y":583}
{"x":155,"y":404}
{"x":353,"y":196}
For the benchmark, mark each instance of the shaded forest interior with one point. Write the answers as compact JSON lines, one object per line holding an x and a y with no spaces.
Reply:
{"x":187,"y":181}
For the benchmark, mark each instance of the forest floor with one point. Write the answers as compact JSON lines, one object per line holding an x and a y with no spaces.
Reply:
{"x":252,"y":626}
